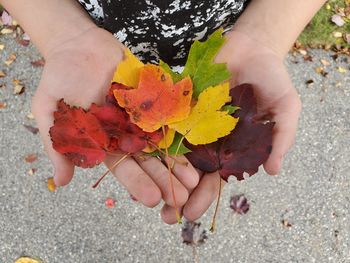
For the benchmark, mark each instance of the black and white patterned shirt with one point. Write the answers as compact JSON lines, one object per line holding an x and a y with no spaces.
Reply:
{"x":163,"y":29}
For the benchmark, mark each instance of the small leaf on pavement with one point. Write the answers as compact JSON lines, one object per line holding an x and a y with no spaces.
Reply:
{"x":239,"y":204}
{"x":193,"y":234}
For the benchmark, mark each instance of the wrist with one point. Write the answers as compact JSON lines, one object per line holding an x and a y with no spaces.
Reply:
{"x":241,"y":48}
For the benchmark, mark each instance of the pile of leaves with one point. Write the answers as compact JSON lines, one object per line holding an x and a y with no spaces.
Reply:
{"x":153,"y":109}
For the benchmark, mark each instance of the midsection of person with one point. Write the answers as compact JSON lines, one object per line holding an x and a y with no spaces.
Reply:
{"x":163,"y":29}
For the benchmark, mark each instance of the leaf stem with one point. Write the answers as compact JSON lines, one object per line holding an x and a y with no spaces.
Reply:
{"x":164,"y":153}
{"x":213,"y":222}
{"x":177,"y":150}
{"x":171,"y":178}
{"x":110,"y":170}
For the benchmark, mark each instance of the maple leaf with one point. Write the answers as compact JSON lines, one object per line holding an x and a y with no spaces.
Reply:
{"x":26,"y":259}
{"x":193,"y":234}
{"x":244,"y":149}
{"x":199,"y":65}
{"x":206,"y":114}
{"x":239,"y":204}
{"x":127,"y":136}
{"x":78,"y":135}
{"x":51,"y":184}
{"x":128,"y":70}
{"x":157,"y":101}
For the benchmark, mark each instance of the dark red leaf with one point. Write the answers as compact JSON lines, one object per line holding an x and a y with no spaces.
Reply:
{"x":38,"y":63}
{"x":244,"y":149}
{"x":23,"y":42}
{"x":30,"y":128}
{"x":78,"y":135}
{"x":239,"y":204}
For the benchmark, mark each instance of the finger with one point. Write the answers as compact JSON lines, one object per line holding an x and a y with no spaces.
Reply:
{"x":202,"y":196}
{"x":135,"y":180}
{"x":168,"y":214}
{"x":43,"y":109}
{"x":161,"y":176}
{"x":283,"y":135}
{"x":184,"y":171}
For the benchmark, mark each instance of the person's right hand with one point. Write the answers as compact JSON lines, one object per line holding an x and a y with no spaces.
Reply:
{"x":80,"y":70}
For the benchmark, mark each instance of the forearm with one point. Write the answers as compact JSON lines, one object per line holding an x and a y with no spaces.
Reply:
{"x":276,"y":23}
{"x":49,"y":22}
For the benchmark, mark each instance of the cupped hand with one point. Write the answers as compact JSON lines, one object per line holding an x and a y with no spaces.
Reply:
{"x":80,"y":70}
{"x":252,"y":62}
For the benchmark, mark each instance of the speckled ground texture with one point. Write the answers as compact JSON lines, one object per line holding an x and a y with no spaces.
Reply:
{"x":312,"y":192}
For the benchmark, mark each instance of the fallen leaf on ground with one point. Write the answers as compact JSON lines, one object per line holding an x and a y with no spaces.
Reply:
{"x":23,"y":42}
{"x":193,"y":234}
{"x":10,"y":59}
{"x":30,"y":116}
{"x":325,"y":62}
{"x":31,"y":158}
{"x":157,"y":101}
{"x":302,"y":51}
{"x":32,"y":171}
{"x":207,"y":112}
{"x":110,"y":202}
{"x":5,"y":31}
{"x":309,"y":83}
{"x":308,"y":58}
{"x":18,"y":90}
{"x":38,"y":63}
{"x":2,"y":46}
{"x":286,"y":223}
{"x":3,"y":105}
{"x":51,"y":184}
{"x":347,"y":38}
{"x":16,"y":82}
{"x":337,"y":34}
{"x":27,"y":260}
{"x":31,"y":128}
{"x":6,"y":19}
{"x":321,"y":71}
{"x":133,"y":198}
{"x":239,"y":204}
{"x":2,"y":74}
{"x":341,"y":69}
{"x":338,"y":20}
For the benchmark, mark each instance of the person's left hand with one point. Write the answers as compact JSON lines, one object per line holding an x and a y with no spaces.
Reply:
{"x":277,"y":98}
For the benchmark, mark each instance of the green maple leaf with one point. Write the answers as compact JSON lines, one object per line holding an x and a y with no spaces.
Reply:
{"x":200,"y":66}
{"x":176,"y":148}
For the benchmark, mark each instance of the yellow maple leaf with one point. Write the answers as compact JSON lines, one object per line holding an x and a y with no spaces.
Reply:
{"x":27,"y":260}
{"x":128,"y":71}
{"x":206,"y":123}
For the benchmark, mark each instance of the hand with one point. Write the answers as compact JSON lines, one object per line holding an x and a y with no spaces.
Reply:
{"x":79,"y":70}
{"x":277,"y":100}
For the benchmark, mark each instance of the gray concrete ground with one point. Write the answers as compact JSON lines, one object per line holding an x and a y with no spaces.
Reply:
{"x":73,"y":225}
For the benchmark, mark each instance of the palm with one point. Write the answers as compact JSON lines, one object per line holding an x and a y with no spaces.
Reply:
{"x":277,"y":101}
{"x":80,"y":72}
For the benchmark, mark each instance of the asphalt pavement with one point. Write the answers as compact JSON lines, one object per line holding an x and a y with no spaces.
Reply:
{"x":301,"y":215}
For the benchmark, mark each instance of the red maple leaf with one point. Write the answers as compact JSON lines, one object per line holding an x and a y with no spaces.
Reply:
{"x":116,"y":122}
{"x":85,"y":137}
{"x":78,"y":135}
{"x":244,"y":149}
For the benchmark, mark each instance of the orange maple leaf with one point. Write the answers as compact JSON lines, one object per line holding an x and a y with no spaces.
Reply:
{"x":157,"y":101}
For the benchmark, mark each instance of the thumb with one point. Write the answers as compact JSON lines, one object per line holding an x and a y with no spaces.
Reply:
{"x":43,"y":108}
